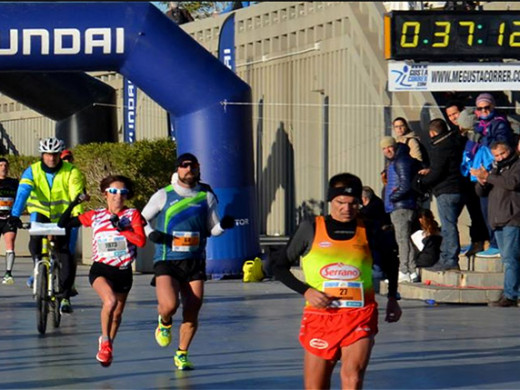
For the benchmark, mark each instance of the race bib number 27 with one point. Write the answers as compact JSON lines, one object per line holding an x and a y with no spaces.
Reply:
{"x":347,"y":294}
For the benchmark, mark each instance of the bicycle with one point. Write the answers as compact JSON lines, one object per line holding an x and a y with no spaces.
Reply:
{"x":46,"y":284}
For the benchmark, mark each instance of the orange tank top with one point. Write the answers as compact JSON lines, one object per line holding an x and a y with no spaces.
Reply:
{"x":342,"y":268}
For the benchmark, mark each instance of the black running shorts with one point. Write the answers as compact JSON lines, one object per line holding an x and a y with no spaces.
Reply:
{"x":119,"y":279}
{"x":182,"y":270}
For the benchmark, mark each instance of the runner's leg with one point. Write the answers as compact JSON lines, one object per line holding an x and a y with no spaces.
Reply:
{"x":167,"y":292}
{"x":108,"y":298}
{"x":354,"y":362}
{"x":118,"y":314}
{"x":192,"y":294}
{"x":317,"y":371}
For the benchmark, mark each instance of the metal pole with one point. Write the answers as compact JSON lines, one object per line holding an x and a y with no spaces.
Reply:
{"x":259,"y":165}
{"x":325,"y":152}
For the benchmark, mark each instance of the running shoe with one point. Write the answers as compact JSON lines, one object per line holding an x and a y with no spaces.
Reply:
{"x":65,"y":306}
{"x":104,"y":355}
{"x":181,"y":360}
{"x":30,"y":281}
{"x":163,"y":334}
{"x":8,"y":279}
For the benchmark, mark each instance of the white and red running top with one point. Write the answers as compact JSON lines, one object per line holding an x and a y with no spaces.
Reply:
{"x":110,"y":245}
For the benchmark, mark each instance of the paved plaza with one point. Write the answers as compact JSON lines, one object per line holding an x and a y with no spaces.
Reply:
{"x":248,"y":340}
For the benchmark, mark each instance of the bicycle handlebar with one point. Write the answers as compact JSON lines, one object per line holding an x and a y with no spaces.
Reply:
{"x":46,"y":229}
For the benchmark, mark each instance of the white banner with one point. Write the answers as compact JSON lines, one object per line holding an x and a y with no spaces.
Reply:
{"x":403,"y":76}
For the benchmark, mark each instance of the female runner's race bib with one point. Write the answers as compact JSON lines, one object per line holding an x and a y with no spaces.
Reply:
{"x":185,"y":241}
{"x":112,"y":246}
{"x":347,"y":294}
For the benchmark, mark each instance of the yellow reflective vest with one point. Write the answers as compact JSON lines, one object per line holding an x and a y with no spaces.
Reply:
{"x":52,"y":202}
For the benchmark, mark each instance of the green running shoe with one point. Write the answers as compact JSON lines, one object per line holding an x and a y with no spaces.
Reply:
{"x":181,"y":360}
{"x":163,"y":334}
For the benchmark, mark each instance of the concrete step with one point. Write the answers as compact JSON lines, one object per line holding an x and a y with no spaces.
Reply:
{"x":481,"y":264}
{"x":441,"y":294}
{"x":463,"y":278}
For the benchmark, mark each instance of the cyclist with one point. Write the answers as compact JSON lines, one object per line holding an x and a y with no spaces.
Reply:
{"x":186,"y":213}
{"x":47,"y":187}
{"x":8,"y":188}
{"x":117,"y":231}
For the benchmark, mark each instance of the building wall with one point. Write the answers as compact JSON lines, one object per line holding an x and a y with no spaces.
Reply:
{"x":294,"y":55}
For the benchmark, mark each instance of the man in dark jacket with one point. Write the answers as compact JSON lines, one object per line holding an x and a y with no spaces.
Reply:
{"x":502,"y":187}
{"x":446,"y":181}
{"x":400,"y":203}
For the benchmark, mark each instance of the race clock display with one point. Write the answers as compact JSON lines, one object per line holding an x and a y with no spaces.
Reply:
{"x":452,"y":35}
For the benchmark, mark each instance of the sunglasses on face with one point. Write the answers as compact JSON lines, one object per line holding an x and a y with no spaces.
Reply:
{"x":113,"y":191}
{"x":485,"y":108}
{"x":190,"y":164}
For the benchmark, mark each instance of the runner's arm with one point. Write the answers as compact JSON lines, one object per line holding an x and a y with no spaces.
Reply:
{"x":66,"y":220}
{"x":153,"y":208}
{"x":136,"y":234}
{"x":299,"y":245}
{"x":25,"y":187}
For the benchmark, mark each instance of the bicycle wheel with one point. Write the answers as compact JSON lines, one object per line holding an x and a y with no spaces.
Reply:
{"x":55,"y":302}
{"x":42,"y":308}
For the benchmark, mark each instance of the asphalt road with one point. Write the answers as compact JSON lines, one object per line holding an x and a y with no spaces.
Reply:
{"x":248,"y":340}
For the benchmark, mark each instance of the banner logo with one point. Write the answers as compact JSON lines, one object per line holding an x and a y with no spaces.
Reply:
{"x":404,"y":76}
{"x":65,"y":41}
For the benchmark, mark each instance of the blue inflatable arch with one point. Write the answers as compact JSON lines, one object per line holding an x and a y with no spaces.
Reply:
{"x":138,"y":41}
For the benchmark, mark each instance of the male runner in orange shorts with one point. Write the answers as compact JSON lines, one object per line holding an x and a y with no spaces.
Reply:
{"x":340,"y":316}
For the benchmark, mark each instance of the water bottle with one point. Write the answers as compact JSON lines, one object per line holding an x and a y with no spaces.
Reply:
{"x":430,"y":302}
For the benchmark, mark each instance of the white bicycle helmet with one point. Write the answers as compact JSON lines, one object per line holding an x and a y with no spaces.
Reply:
{"x":51,"y":145}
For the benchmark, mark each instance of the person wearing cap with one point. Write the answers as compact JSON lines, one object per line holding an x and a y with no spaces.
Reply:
{"x":8,"y":188}
{"x":47,"y":187}
{"x":445,"y":180}
{"x":66,"y":155}
{"x":185,"y":215}
{"x":492,"y":127}
{"x":340,"y":318}
{"x":401,"y":202}
{"x":463,"y":121}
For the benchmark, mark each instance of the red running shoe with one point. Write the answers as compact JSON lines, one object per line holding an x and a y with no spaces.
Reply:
{"x":104,"y":355}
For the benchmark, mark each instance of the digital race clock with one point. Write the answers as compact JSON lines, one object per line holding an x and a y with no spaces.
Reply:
{"x":452,"y":35}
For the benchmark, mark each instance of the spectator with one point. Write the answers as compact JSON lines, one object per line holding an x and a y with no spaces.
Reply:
{"x":373,"y":211}
{"x":502,"y":187}
{"x":373,"y":208}
{"x":492,"y":127}
{"x":177,"y":14}
{"x":400,"y":203}
{"x":427,"y":240}
{"x":464,"y":121}
{"x":405,"y":135}
{"x":445,"y":180}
